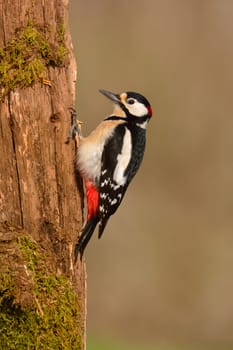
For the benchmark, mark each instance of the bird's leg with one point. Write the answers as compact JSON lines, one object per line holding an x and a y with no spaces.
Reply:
{"x":75,"y":130}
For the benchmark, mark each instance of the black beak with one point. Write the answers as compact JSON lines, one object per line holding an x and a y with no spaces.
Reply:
{"x":113,"y":97}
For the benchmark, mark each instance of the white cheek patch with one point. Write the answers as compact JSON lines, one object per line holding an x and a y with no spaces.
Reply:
{"x":138,"y":109}
{"x":123,"y":159}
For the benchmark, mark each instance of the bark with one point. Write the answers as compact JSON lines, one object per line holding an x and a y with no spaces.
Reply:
{"x":40,"y":194}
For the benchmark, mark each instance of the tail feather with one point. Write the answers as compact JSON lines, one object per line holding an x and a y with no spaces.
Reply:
{"x":85,"y":237}
{"x":103,"y":223}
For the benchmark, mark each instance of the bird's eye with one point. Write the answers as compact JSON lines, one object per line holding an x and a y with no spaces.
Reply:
{"x":130,"y":101}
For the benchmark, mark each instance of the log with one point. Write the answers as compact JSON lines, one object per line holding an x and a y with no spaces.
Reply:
{"x":41,"y":196}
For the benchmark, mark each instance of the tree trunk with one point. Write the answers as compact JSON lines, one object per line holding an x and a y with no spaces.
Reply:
{"x":40,"y":194}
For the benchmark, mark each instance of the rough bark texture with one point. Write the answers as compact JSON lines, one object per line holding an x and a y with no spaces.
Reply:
{"x":39,"y":191}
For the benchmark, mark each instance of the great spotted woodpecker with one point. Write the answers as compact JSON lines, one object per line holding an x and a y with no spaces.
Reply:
{"x":109,"y":158}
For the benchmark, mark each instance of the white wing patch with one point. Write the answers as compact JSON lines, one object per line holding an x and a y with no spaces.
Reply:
{"x":123,"y":159}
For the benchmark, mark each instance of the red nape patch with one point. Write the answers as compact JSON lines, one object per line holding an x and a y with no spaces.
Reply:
{"x":150,"y":112}
{"x":92,"y":199}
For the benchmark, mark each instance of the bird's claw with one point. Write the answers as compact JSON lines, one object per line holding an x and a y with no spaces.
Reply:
{"x":75,"y":130}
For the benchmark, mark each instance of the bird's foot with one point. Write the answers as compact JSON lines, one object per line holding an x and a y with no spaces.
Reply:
{"x":75,"y":130}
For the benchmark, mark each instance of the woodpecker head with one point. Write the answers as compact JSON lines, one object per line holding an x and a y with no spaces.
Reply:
{"x":130,"y":105}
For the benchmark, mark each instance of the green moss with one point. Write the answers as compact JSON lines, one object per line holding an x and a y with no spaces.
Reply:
{"x":53,"y":319}
{"x":23,"y":61}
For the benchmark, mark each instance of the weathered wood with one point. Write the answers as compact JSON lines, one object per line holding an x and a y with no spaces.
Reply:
{"x":39,"y":191}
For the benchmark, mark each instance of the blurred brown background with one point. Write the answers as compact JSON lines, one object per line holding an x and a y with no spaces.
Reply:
{"x":163,"y":270}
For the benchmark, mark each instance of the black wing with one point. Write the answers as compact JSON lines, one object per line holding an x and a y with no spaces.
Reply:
{"x":111,"y":192}
{"x":122,"y":156}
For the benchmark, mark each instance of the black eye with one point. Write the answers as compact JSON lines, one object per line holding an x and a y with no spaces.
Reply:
{"x":130,"y":101}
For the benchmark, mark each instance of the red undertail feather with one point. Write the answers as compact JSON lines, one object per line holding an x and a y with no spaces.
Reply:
{"x":92,"y":196}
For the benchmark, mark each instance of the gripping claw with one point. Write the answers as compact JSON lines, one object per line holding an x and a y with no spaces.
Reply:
{"x":75,"y":130}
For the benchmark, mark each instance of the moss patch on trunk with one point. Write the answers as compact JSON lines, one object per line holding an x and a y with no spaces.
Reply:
{"x":23,"y":61}
{"x":38,"y":307}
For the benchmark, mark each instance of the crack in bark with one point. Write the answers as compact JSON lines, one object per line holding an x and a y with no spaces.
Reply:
{"x":59,"y":197}
{"x":15,"y":158}
{"x":57,"y":176}
{"x":3,"y":26}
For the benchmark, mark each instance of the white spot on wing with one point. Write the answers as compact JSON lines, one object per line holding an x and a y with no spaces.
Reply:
{"x":116,"y":187}
{"x":103,"y":195}
{"x":123,"y":159}
{"x":105,"y":182}
{"x":143,"y":125}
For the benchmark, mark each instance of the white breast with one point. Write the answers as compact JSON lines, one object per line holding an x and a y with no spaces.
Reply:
{"x":90,"y":151}
{"x":89,"y":160}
